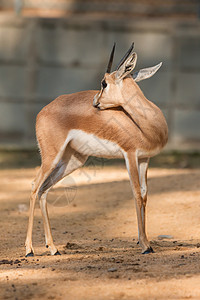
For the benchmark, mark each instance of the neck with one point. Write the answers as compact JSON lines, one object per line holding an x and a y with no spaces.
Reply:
{"x":145,"y":114}
{"x":137,"y":105}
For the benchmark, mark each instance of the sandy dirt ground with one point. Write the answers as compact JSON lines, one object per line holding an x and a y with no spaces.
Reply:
{"x":94,"y":225}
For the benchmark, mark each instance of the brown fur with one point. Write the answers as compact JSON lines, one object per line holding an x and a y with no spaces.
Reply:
{"x":125,"y":117}
{"x":75,"y":111}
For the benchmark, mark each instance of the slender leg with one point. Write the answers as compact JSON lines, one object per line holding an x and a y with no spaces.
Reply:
{"x":132,"y":166}
{"x":44,"y":181}
{"x":63,"y":169}
{"x":28,"y":243}
{"x":47,"y":228}
{"x":142,"y":169}
{"x":33,"y":197}
{"x":40,"y":192}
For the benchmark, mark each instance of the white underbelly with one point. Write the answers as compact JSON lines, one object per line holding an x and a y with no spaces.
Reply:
{"x":91,"y":145}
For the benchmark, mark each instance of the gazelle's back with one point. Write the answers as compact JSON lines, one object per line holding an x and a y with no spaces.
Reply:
{"x":75,"y":112}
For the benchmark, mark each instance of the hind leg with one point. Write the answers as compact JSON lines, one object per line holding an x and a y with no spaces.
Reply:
{"x":49,"y":174}
{"x":56,"y":175}
{"x":47,"y":229}
{"x":28,"y":243}
{"x":34,"y":195}
{"x":71,"y":161}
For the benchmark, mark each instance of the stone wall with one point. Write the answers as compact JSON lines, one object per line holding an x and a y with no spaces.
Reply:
{"x":129,"y":8}
{"x":42,"y":58}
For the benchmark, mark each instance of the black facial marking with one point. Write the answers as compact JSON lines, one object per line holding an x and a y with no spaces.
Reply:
{"x":104,"y":84}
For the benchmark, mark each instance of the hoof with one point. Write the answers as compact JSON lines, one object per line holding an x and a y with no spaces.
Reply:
{"x":138,"y":242}
{"x":57,"y":253}
{"x":31,"y":254}
{"x":149,"y":250}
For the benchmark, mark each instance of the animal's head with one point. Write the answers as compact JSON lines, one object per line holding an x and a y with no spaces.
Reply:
{"x":115,"y":85}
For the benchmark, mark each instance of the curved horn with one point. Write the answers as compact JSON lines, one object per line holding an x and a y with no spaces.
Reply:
{"x":111,"y":59}
{"x":125,"y":56}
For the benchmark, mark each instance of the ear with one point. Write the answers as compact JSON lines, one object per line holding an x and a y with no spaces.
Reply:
{"x":146,"y":73}
{"x":127,"y":67}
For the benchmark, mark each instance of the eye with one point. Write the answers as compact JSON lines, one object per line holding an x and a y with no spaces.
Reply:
{"x":104,"y":84}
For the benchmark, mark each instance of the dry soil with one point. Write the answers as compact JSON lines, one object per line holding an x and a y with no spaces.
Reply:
{"x":94,"y":225}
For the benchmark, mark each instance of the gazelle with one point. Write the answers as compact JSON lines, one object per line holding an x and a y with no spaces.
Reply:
{"x":121,"y":123}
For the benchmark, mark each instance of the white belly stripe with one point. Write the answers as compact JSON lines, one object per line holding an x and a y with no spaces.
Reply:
{"x":90,"y":144}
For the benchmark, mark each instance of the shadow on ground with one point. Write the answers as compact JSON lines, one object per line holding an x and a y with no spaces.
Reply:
{"x":96,"y":234}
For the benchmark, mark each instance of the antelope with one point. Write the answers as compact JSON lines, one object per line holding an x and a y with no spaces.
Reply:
{"x":116,"y":122}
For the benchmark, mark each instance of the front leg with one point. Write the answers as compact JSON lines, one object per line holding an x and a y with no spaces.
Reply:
{"x":142,"y":171}
{"x":132,"y":167}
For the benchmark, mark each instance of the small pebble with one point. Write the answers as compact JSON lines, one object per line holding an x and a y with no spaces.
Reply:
{"x":101,"y":248}
{"x":112,"y":270}
{"x":164,"y":236}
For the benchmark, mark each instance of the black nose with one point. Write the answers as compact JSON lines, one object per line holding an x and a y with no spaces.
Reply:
{"x":96,"y":105}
